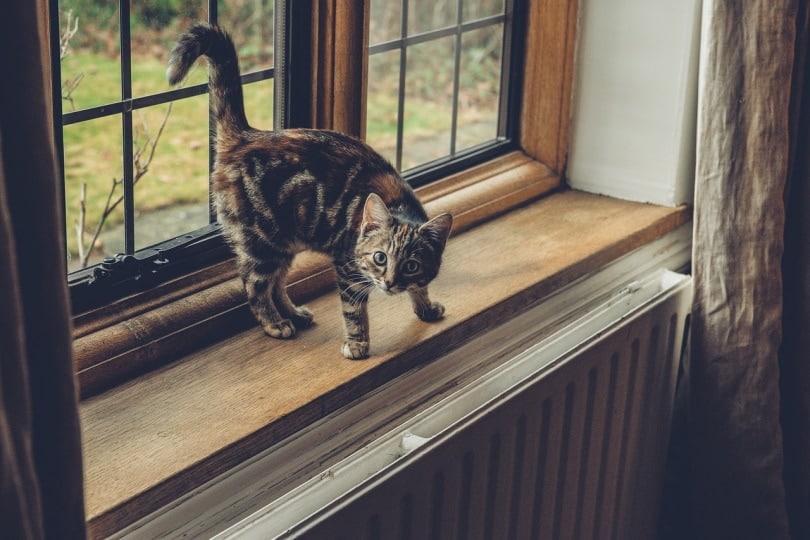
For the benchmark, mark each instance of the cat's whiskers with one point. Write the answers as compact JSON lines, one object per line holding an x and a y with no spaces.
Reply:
{"x":358,"y":291}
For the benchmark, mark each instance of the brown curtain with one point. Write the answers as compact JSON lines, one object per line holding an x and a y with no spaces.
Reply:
{"x":748,"y":429}
{"x":40,"y":452}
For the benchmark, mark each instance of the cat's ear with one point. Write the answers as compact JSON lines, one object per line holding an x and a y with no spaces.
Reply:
{"x":375,"y":214}
{"x":438,"y":229}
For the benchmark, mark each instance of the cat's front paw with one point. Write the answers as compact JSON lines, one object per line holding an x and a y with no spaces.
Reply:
{"x":355,"y":350}
{"x":283,"y":329}
{"x":432,"y":313}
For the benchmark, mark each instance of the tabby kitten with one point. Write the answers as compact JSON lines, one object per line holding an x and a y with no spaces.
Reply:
{"x":277,"y":193}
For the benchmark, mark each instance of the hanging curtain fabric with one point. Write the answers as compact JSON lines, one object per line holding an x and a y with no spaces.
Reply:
{"x":748,"y":428}
{"x":40,"y":451}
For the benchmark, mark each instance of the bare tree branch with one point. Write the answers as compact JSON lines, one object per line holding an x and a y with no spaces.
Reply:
{"x":141,"y":167}
{"x":71,"y":27}
{"x":68,"y":88}
{"x":80,"y":224}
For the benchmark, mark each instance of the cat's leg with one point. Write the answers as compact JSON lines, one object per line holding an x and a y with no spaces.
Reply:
{"x":354,"y":302}
{"x":261,"y":278}
{"x":300,"y":316}
{"x":424,"y":308}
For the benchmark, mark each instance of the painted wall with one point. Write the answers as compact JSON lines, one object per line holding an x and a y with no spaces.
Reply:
{"x":635,"y":98}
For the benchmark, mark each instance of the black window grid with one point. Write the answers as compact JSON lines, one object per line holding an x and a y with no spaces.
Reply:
{"x":506,"y":137}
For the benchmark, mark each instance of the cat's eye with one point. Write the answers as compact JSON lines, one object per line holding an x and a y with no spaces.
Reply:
{"x":379,"y":258}
{"x":411,"y":267}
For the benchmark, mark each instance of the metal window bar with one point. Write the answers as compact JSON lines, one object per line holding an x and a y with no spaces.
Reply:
{"x":133,"y":104}
{"x":456,"y":76}
{"x":431,"y":35}
{"x":126,"y":126}
{"x":509,"y":87}
{"x":403,"y":59}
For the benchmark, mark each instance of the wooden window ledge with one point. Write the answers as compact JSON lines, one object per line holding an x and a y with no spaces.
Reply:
{"x":170,"y":430}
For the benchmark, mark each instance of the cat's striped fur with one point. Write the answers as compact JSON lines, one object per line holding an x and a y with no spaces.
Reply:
{"x":277,"y":193}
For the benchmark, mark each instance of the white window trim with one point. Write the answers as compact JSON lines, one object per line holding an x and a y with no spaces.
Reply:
{"x":634,"y":106}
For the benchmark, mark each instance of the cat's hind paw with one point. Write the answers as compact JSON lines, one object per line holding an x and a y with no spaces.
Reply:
{"x":432,"y":313}
{"x":283,"y":329}
{"x":355,"y":350}
{"x":302,"y":318}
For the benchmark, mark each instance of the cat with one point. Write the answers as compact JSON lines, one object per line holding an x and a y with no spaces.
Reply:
{"x":280,"y":192}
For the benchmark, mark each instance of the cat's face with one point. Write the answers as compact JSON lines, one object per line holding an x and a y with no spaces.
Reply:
{"x":394,"y":256}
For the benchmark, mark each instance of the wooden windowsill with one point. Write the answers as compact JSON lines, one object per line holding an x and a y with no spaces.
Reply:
{"x":117,"y":342}
{"x":168,"y":431}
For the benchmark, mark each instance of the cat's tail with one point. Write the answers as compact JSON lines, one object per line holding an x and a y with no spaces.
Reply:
{"x":215,"y":44}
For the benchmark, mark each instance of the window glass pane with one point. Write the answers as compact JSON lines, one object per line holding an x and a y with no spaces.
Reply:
{"x":478,"y":9}
{"x":93,"y":190}
{"x":479,"y":86}
{"x":382,"y":103}
{"x":250,"y":23}
{"x":154,"y":27}
{"x":425,"y":15}
{"x":89,"y":54}
{"x":386,"y":21}
{"x":428,"y":102}
{"x":171,"y":184}
{"x":259,"y":104}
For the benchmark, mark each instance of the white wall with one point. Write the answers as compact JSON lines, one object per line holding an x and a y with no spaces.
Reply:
{"x":634,"y":103}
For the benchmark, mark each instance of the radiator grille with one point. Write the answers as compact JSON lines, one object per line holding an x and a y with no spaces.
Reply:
{"x":576,"y":452}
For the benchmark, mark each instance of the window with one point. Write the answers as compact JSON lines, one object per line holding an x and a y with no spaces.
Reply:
{"x":136,"y":153}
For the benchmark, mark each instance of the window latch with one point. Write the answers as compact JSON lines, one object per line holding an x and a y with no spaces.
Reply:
{"x":149,"y":262}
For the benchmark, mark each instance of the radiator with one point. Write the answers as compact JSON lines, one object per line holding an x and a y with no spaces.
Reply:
{"x":566,"y":440}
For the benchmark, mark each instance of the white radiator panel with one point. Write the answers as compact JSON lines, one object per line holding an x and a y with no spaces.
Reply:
{"x":566,"y":440}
